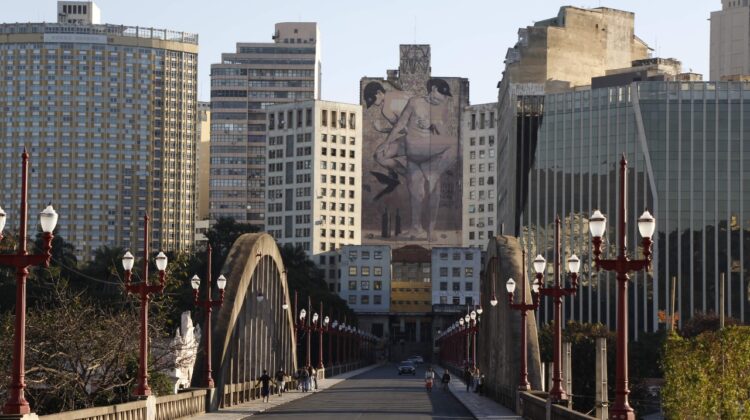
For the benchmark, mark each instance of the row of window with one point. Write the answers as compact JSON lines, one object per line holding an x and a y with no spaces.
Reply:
{"x":365,"y":271}
{"x":479,"y":208}
{"x":473,"y":167}
{"x":456,"y":256}
{"x":365,"y":255}
{"x":456,"y":300}
{"x":277,"y":120}
{"x":341,"y":179}
{"x":482,"y":154}
{"x":365,"y":300}
{"x":490,"y":141}
{"x":490,"y":180}
{"x":456,"y":285}
{"x":332,"y":233}
{"x":456,"y":272}
{"x":336,"y":166}
{"x":341,"y":207}
{"x":341,"y":121}
{"x":483,"y":120}
{"x":489,"y":194}
{"x":365,"y":285}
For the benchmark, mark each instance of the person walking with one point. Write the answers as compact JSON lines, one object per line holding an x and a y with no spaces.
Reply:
{"x":304,"y":378}
{"x":481,"y":384}
{"x":310,"y":378}
{"x":280,"y":380}
{"x":314,"y":379}
{"x":467,"y":378}
{"x":265,"y":382}
{"x":429,"y":377}
{"x":475,"y":379}
{"x":446,"y":380}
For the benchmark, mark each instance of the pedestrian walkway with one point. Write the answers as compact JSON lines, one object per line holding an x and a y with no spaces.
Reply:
{"x":480,"y":407}
{"x":242,"y":411}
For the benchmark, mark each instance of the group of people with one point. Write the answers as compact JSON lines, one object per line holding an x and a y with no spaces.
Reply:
{"x":474,"y":379}
{"x":429,"y":378}
{"x":307,"y":380}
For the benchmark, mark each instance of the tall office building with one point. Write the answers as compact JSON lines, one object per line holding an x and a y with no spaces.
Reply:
{"x":245,"y":83}
{"x":108,"y":114}
{"x":479,"y":150}
{"x":688,"y":164}
{"x":314,"y":178}
{"x":554,"y":55}
{"x":412,"y":193}
{"x":730,"y":40}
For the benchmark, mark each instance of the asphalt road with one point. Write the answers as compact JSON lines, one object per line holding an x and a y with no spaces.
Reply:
{"x":378,"y":394}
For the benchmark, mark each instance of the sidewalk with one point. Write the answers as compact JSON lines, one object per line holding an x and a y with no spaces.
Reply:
{"x":250,"y":408}
{"x":480,"y":407}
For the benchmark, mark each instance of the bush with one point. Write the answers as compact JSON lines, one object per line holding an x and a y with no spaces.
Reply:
{"x":707,"y":376}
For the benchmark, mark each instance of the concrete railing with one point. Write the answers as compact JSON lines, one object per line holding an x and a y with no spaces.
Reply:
{"x":534,"y":407}
{"x":169,"y":407}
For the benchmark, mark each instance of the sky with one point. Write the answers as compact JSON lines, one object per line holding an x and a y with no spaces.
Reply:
{"x":469,"y":38}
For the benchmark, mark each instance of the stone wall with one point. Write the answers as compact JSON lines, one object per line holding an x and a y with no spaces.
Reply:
{"x":500,"y":328}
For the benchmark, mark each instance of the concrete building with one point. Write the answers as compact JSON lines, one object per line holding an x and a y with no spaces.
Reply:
{"x":245,"y":83}
{"x":455,"y":276}
{"x":411,"y":302}
{"x":554,"y":55}
{"x":366,"y":278}
{"x":479,"y":154}
{"x":730,"y":40}
{"x":412,"y":195}
{"x":314,"y":178}
{"x":108,"y":115}
{"x":203,"y":160}
{"x":688,"y":164}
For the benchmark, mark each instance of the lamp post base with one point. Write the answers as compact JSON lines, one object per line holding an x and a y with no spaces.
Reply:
{"x":622,"y":413}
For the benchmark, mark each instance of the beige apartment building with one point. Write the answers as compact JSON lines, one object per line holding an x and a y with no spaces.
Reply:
{"x":108,"y":115}
{"x":314,"y":178}
{"x":730,"y":40}
{"x":243,"y":85}
{"x":203,"y":159}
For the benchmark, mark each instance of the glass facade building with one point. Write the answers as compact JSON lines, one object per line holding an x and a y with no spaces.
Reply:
{"x":684,"y":142}
{"x":107,"y":113}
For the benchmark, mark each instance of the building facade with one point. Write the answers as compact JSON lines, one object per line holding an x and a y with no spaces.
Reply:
{"x":314,"y":178}
{"x":412,"y":194}
{"x":108,"y":115}
{"x":684,"y":142}
{"x":455,"y":276}
{"x":243,"y":85}
{"x":554,"y":55}
{"x":203,"y":159}
{"x":730,"y":40}
{"x":366,"y":278}
{"x":479,"y":128}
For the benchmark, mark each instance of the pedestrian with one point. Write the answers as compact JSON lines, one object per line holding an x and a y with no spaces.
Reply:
{"x":265,"y":382}
{"x":280,"y":379}
{"x":446,"y":379}
{"x":309,"y":378}
{"x":429,"y":376}
{"x":481,"y":384}
{"x":314,"y":378}
{"x":467,"y":378}
{"x":475,"y":379}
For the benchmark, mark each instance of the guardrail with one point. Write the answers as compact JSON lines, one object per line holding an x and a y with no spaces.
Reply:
{"x":184,"y":404}
{"x":534,"y":406}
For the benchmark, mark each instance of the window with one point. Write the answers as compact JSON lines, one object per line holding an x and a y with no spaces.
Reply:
{"x":364,"y":285}
{"x":456,"y":300}
{"x":443,"y":256}
{"x":377,"y":285}
{"x":443,"y":300}
{"x":469,"y":286}
{"x":456,"y":272}
{"x":443,"y":271}
{"x":324,"y":117}
{"x":365,"y":271}
{"x":352,"y":284}
{"x":353,"y":255}
{"x":456,"y":286}
{"x":378,"y":255}
{"x":377,"y":271}
{"x":444,"y":286}
{"x":456,"y":256}
{"x":353,"y":270}
{"x":469,"y":256}
{"x":352,"y":299}
{"x":365,"y":255}
{"x":377,"y":300}
{"x":468,"y":272}
{"x":365,"y":299}
{"x":469,"y":301}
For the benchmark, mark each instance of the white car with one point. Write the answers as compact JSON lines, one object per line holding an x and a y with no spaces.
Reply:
{"x":418,"y":360}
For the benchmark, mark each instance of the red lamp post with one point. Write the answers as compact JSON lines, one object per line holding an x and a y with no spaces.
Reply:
{"x":21,"y":261}
{"x":319,"y":326}
{"x":622,"y":265}
{"x":144,"y":291}
{"x":208,"y":304}
{"x":523,"y":307}
{"x":557,"y":292}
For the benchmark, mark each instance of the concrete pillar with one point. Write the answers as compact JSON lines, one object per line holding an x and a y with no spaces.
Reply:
{"x":601,"y":402}
{"x":567,"y":370}
{"x":548,"y":379}
{"x":419,"y":328}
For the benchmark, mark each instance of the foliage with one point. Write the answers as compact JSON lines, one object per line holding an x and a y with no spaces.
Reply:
{"x":707,"y":375}
{"x":701,"y":322}
{"x":221,"y":236}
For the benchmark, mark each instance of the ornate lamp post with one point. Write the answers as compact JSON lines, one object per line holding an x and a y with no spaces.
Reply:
{"x":21,"y":261}
{"x":208,"y":304}
{"x":144,"y":291}
{"x":557,"y":292}
{"x":622,"y":265}
{"x":523,"y":307}
{"x":320,"y":326}
{"x":304,"y":327}
{"x":473,"y":321}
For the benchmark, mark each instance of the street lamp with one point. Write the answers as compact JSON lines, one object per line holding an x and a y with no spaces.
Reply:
{"x":144,"y":291}
{"x":208,"y":304}
{"x":523,"y":307}
{"x":21,"y":260}
{"x":557,"y":292}
{"x":622,"y":265}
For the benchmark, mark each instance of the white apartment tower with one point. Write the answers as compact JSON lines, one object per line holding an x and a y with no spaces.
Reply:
{"x":730,"y":40}
{"x":314,"y":177}
{"x":243,"y":85}
{"x":480,"y":174}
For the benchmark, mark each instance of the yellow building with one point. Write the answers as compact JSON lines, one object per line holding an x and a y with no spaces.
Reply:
{"x":411,"y":287}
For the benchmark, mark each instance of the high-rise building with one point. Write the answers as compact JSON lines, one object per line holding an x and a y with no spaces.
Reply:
{"x":730,"y":40}
{"x":479,"y":149}
{"x":108,"y":114}
{"x":554,"y":55}
{"x":203,"y":159}
{"x":314,"y":178}
{"x":412,"y":163}
{"x":455,"y":276}
{"x":245,"y":83}
{"x":684,"y":142}
{"x":366,"y":278}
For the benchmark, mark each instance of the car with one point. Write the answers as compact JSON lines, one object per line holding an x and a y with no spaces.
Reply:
{"x":406,"y":367}
{"x":417,"y":360}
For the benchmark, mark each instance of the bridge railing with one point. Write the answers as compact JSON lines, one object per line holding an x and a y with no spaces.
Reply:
{"x":534,"y":406}
{"x":169,"y":407}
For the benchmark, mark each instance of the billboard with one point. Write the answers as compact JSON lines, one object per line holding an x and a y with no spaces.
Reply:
{"x":411,"y":154}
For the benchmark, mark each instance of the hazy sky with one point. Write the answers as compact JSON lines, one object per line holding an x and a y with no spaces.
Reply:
{"x":469,"y":38}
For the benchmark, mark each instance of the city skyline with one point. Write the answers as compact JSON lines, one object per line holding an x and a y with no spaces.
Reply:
{"x":488,"y":28}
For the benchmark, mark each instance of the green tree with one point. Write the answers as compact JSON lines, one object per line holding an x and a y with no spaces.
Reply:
{"x":221,"y":237}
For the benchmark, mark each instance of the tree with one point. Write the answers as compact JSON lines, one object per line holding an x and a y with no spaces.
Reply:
{"x":221,"y":237}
